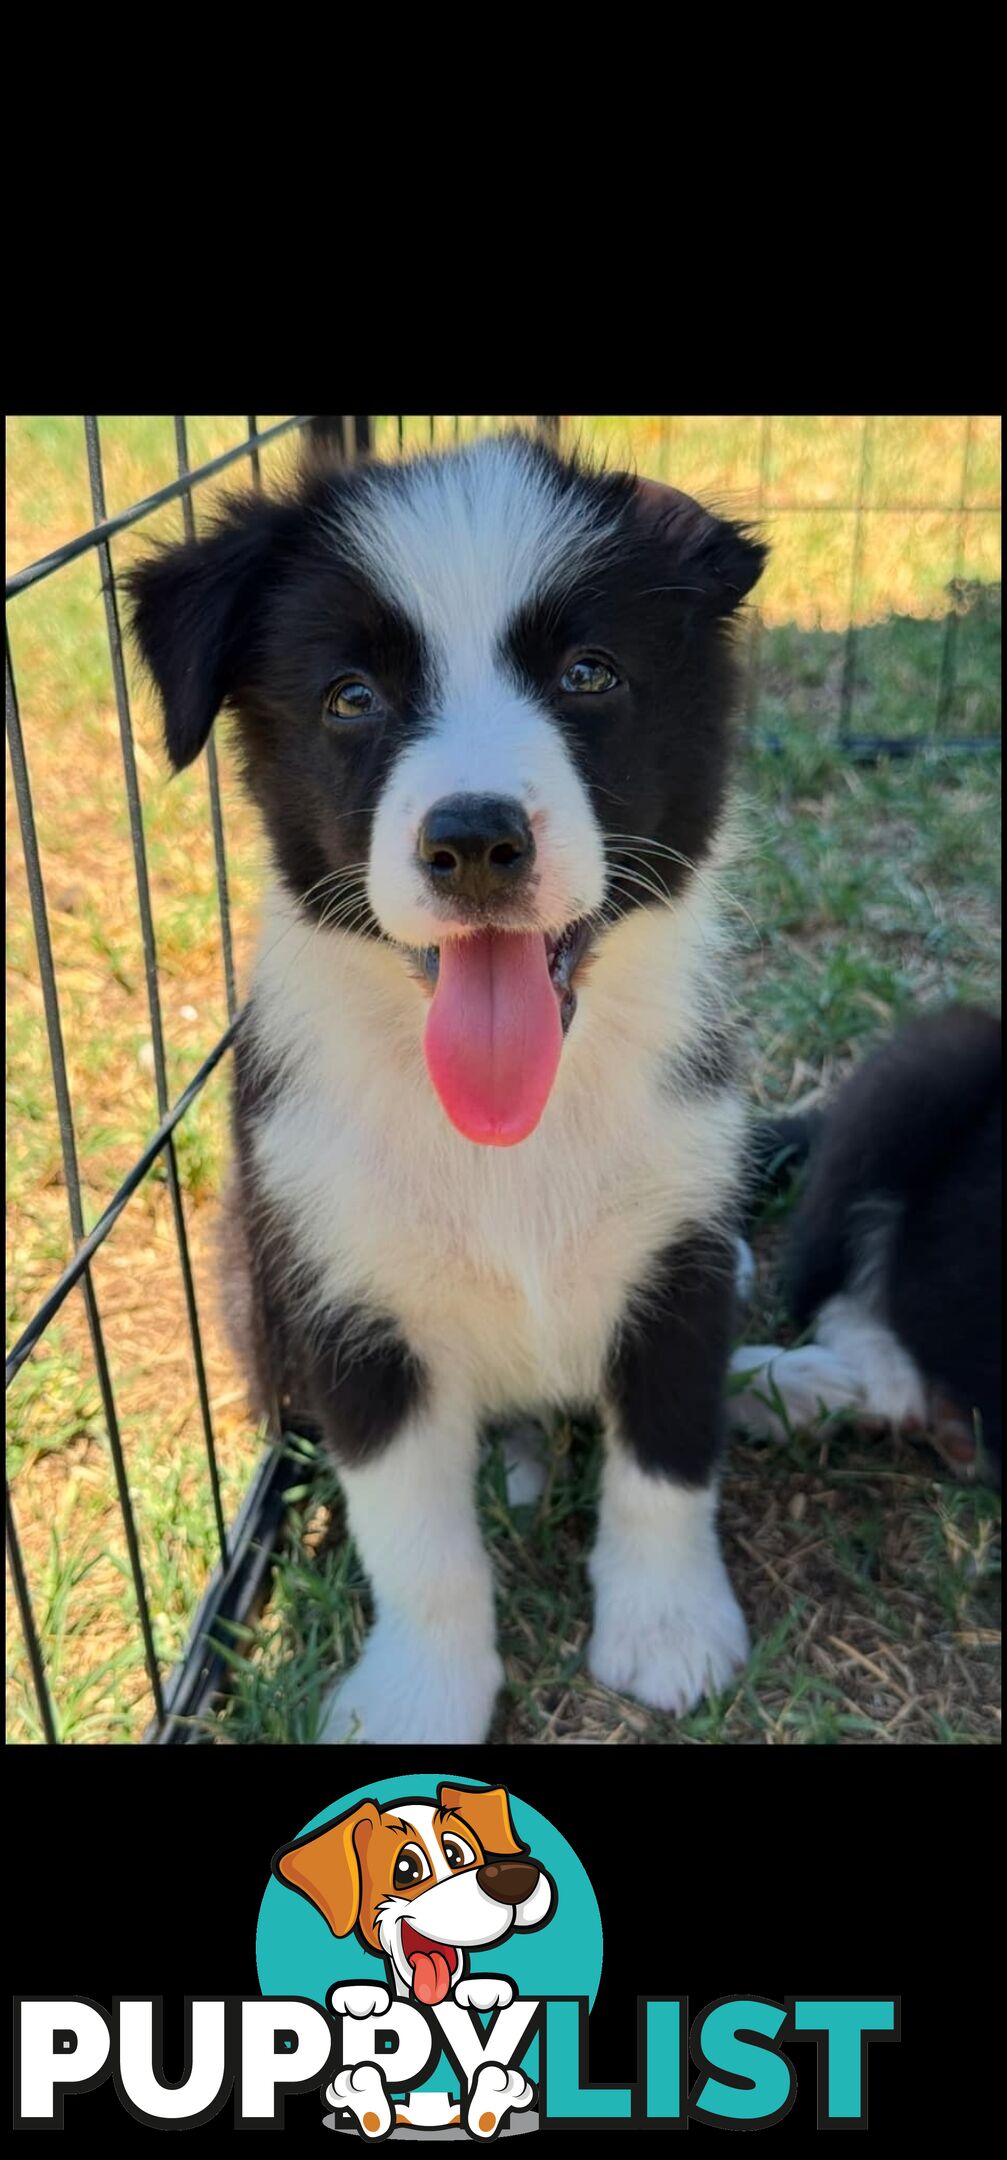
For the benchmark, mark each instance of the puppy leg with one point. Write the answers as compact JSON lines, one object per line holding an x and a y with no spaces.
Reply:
{"x":430,"y":1669}
{"x":668,"y":1627}
{"x":524,"y":1457}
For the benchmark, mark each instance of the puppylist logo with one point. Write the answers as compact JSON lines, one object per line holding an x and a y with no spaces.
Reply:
{"x":428,"y":1954}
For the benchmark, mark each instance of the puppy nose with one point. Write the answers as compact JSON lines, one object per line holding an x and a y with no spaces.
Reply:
{"x":509,"y":1881}
{"x":475,"y":847}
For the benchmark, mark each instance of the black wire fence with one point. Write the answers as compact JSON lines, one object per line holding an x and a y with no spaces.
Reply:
{"x":182,"y":1697}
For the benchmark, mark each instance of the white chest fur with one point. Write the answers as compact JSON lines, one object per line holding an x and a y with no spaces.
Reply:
{"x":510,"y":1267}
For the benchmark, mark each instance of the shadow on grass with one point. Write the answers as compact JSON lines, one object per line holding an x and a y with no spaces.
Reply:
{"x":901,"y":678}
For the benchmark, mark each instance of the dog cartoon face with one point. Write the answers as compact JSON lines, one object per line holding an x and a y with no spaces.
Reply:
{"x":421,"y":1884}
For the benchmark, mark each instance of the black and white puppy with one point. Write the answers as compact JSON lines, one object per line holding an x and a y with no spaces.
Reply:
{"x":488,"y":1130}
{"x":893,"y":1257}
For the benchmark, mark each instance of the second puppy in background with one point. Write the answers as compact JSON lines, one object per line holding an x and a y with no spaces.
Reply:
{"x":894,"y":1252}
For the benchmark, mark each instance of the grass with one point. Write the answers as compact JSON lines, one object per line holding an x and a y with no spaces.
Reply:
{"x":868,"y":1575}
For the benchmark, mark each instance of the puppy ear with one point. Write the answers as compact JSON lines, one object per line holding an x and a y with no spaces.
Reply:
{"x":488,"y":1813}
{"x":715,"y":560}
{"x":194,"y":613}
{"x":325,"y":1866}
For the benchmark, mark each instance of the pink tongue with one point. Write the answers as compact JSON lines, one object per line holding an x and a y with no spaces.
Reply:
{"x":431,"y":1975}
{"x":493,"y":1035}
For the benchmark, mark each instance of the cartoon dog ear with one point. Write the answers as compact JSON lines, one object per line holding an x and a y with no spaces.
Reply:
{"x":488,"y":1813}
{"x":325,"y":1866}
{"x":716,"y":561}
{"x":194,"y":611}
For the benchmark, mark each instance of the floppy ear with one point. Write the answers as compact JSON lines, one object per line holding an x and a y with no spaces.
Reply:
{"x":488,"y":1813}
{"x":716,"y":560}
{"x":325,"y":1866}
{"x":194,"y":613}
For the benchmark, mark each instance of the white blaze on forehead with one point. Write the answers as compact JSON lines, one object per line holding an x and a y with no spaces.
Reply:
{"x":421,"y":1820}
{"x":461,"y":543}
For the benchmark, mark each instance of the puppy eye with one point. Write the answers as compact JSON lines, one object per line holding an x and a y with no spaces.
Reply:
{"x":410,"y":1868}
{"x":351,"y":700}
{"x":457,"y":1853}
{"x":589,"y":676}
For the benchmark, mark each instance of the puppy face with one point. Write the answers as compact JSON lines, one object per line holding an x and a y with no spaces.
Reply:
{"x":420,"y":1884}
{"x":483,"y":704}
{"x":495,"y":620}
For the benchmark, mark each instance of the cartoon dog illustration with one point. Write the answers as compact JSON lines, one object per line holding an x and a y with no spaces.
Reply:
{"x":422,"y":1885}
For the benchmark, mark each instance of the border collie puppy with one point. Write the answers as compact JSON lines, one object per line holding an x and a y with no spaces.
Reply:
{"x":894,"y":1251}
{"x":488,"y":1130}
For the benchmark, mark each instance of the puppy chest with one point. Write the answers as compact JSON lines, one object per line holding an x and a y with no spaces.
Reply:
{"x":509,"y":1268}
{"x":514,"y":1275}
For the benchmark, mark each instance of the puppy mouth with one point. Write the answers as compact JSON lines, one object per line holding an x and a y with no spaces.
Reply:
{"x":503,"y":1000}
{"x":433,"y":1964}
{"x":565,"y":950}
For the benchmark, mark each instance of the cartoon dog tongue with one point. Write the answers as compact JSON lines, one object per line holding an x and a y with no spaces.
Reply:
{"x":431,"y":1975}
{"x":494,"y":1036}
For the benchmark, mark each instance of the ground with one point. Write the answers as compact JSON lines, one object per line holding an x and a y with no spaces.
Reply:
{"x":869,"y":1577}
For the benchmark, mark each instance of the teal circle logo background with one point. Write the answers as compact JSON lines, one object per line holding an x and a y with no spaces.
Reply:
{"x":295,"y":1953}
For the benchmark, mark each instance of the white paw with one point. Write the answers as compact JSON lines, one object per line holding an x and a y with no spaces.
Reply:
{"x":745,"y":1271}
{"x":359,"y":1999}
{"x":889,"y":1383}
{"x":483,"y":1992}
{"x":524,"y":1465}
{"x":789,"y":1390}
{"x":416,"y":1690}
{"x":494,"y":2093}
{"x":669,"y":1642}
{"x":363,"y":2091}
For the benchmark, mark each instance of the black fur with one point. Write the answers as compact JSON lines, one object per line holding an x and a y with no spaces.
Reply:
{"x":908,"y":1164}
{"x":776,"y":1151}
{"x":655,"y":751}
{"x":666,"y":1376}
{"x":705,"y":1067}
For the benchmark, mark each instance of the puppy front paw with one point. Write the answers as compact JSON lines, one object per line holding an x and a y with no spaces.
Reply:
{"x":669,"y":1643}
{"x":416,"y":1690}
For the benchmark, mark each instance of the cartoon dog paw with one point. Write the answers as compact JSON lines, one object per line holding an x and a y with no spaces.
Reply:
{"x":362,"y":2090}
{"x":495,"y":2092}
{"x":359,"y":1999}
{"x":484,"y":1992}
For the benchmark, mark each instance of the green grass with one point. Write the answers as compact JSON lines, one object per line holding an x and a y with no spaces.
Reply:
{"x":869,"y":1577}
